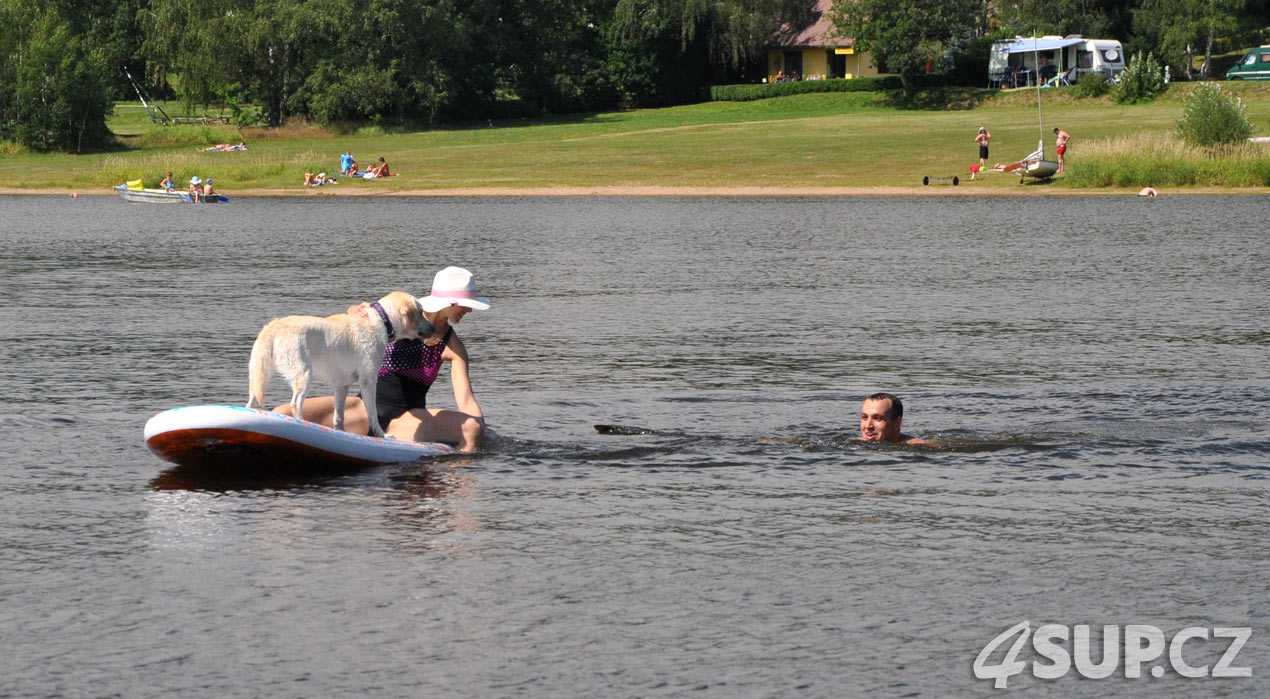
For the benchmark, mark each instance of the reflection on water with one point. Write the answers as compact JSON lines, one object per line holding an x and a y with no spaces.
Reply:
{"x":224,"y":478}
{"x":1092,"y":368}
{"x":435,"y":506}
{"x":430,"y":505}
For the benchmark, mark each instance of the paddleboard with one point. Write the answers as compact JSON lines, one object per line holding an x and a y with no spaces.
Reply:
{"x":238,"y":437}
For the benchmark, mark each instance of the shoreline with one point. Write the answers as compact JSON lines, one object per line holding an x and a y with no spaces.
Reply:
{"x":661,"y":191}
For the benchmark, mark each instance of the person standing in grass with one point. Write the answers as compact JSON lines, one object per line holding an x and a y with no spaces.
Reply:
{"x":1062,"y":137}
{"x":982,"y":139}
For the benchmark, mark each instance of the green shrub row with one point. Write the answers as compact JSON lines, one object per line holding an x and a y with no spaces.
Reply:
{"x":746,"y":93}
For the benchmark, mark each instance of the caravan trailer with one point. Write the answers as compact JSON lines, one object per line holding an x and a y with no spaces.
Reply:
{"x":1021,"y":61}
{"x":1105,"y":56}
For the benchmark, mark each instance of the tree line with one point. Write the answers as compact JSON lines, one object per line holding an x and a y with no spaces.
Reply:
{"x":354,"y":61}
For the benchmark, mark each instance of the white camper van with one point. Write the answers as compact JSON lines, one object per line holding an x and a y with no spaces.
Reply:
{"x":1054,"y":60}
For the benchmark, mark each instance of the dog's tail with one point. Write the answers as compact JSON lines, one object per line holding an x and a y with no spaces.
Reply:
{"x":259,"y":369}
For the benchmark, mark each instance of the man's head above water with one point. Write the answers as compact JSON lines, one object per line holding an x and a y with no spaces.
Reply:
{"x":881,"y":417}
{"x":881,"y":420}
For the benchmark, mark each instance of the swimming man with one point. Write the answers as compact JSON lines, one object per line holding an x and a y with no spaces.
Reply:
{"x":881,"y":417}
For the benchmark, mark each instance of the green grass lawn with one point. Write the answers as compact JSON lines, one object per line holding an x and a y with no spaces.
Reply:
{"x":812,"y":140}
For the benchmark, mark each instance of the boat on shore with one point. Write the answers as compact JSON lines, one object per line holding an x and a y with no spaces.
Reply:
{"x":163,"y":196}
{"x":1036,"y":165}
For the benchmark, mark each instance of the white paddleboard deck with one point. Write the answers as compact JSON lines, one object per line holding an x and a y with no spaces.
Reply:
{"x":234,"y":436}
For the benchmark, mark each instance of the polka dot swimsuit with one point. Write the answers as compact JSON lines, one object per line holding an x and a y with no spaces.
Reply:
{"x":414,"y":360}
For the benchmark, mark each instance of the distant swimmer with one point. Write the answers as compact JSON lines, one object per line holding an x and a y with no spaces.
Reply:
{"x":1149,"y":191}
{"x":881,"y":417}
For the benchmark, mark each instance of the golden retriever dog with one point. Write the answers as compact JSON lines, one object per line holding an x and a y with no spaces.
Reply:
{"x":340,"y":349}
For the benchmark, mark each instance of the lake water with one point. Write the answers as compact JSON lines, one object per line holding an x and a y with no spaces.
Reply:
{"x":1097,"y":369}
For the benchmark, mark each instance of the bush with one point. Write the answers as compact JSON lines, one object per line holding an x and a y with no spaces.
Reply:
{"x":1092,"y":85}
{"x":11,"y":148}
{"x":745,"y":93}
{"x":245,"y":116}
{"x":1142,"y":81}
{"x":1212,"y":120}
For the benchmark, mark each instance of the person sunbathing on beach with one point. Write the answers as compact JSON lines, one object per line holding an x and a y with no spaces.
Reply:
{"x":317,"y":180}
{"x":220,"y":147}
{"x":997,"y":167}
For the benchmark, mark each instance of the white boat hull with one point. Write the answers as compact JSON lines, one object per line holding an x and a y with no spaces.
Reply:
{"x":1041,"y":169}
{"x":160,"y":196}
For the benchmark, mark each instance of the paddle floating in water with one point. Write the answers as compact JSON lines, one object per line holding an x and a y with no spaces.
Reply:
{"x":624,"y":429}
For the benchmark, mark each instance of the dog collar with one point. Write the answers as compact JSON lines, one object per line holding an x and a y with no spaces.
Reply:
{"x":383,"y":314}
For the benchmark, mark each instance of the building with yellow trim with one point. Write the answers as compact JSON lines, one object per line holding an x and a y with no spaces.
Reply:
{"x":812,"y":52}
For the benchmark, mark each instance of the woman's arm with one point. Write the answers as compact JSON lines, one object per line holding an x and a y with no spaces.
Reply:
{"x":464,"y":400}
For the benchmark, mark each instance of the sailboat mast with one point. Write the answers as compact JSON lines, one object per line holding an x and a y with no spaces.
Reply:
{"x":1040,"y":122}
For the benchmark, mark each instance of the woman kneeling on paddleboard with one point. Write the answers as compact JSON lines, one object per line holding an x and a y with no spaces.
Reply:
{"x":410,"y":367}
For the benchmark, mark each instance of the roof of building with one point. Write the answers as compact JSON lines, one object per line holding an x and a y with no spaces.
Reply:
{"x":818,"y":33}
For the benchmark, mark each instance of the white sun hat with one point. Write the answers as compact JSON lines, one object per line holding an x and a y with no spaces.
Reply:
{"x":195,"y":180}
{"x":453,"y":286}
